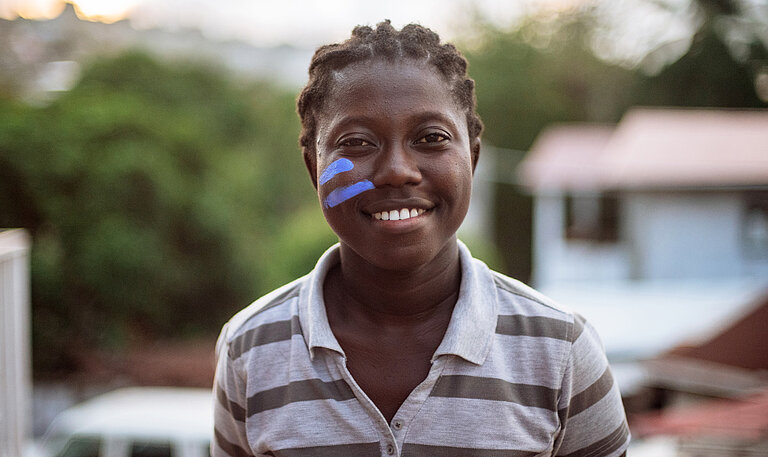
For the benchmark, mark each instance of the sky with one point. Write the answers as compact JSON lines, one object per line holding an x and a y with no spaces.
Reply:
{"x":299,"y":22}
{"x":269,"y":22}
{"x":636,"y":25}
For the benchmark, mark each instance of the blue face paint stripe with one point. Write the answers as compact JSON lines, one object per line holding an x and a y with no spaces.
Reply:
{"x":336,"y":167}
{"x":342,"y":194}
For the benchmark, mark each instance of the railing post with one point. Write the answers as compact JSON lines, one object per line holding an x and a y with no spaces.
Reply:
{"x":15,"y":354}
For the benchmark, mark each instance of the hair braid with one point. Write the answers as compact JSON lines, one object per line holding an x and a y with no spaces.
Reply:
{"x":413,"y":42}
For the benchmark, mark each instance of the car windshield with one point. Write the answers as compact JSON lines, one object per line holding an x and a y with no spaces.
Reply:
{"x":81,"y":447}
{"x":94,"y":447}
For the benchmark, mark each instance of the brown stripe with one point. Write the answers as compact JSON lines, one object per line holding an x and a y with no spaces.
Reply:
{"x":591,"y":394}
{"x":341,"y":450}
{"x":230,"y":448}
{"x":423,"y":450}
{"x":264,"y":334}
{"x":460,"y":386}
{"x":237,"y":411}
{"x":605,"y":446}
{"x":519,"y":325}
{"x":297,"y":391}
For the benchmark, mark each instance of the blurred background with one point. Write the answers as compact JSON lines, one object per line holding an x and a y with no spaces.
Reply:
{"x":148,"y":150}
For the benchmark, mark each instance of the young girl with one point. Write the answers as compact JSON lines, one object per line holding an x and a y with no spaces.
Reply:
{"x":399,"y":342}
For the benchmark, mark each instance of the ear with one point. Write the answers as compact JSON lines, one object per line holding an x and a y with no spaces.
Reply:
{"x":310,"y":161}
{"x":475,"y":153}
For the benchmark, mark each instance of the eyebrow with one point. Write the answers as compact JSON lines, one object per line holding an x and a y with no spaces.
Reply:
{"x":417,"y":118}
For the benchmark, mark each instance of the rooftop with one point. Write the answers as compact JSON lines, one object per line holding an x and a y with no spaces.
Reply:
{"x":653,"y":148}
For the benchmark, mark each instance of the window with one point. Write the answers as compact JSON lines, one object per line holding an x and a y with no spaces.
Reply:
{"x":81,"y":447}
{"x":756,"y":224}
{"x":593,"y":217}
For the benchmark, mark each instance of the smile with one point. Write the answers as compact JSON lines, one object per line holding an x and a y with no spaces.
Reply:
{"x":398,"y":215}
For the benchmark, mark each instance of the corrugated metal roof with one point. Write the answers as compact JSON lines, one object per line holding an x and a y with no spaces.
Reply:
{"x":653,"y":148}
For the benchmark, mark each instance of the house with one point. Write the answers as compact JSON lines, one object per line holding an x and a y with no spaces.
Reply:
{"x":655,"y":229}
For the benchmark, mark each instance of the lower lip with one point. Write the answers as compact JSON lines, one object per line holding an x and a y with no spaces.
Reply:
{"x":400,"y":223}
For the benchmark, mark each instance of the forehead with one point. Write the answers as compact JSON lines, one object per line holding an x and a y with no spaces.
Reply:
{"x":378,"y":84}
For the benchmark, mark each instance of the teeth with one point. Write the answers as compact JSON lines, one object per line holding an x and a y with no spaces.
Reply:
{"x":398,"y":215}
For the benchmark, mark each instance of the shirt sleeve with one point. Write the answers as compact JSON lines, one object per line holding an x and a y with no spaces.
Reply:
{"x":593,"y":422}
{"x":229,"y":390}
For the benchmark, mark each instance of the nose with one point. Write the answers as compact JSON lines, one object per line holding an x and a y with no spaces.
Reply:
{"x":397,"y":166}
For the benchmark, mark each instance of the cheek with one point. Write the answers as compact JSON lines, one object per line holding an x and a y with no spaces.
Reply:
{"x":339,"y":182}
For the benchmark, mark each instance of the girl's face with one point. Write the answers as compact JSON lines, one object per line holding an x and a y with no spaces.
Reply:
{"x":393,"y":163}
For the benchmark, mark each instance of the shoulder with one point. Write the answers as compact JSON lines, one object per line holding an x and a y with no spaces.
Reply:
{"x":265,"y":319}
{"x":522,"y":305}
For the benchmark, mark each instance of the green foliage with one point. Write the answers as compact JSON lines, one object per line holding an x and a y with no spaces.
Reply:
{"x":541,"y":72}
{"x":156,"y":194}
{"x":708,"y":75}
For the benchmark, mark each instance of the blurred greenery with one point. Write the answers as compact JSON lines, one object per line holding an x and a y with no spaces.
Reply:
{"x":163,"y":196}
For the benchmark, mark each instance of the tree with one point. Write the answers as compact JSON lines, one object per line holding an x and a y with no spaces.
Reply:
{"x":153,"y":192}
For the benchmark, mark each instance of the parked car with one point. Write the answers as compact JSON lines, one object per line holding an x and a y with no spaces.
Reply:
{"x":134,"y":422}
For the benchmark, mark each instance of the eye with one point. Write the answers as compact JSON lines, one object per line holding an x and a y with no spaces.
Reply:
{"x":354,"y":142}
{"x":433,"y":138}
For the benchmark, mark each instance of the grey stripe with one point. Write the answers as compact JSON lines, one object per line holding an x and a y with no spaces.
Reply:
{"x":605,"y":446}
{"x":461,"y":386}
{"x":308,"y":390}
{"x":230,"y":448}
{"x":264,"y":334}
{"x":578,"y":326}
{"x":591,"y":394}
{"x":236,"y":411}
{"x":423,"y":450}
{"x":340,"y":450}
{"x":519,"y":325}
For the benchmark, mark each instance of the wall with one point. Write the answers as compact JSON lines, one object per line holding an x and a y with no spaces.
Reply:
{"x":663,"y":235}
{"x":15,"y":378}
{"x":685,"y":235}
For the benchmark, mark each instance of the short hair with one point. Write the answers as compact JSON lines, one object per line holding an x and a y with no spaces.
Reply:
{"x":414,"y":42}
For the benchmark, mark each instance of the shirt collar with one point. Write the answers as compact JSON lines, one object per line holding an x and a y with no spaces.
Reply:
{"x":312,"y":315}
{"x":470,"y":330}
{"x":473,"y":323}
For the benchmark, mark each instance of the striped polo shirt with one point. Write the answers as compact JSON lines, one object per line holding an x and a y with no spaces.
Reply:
{"x":515,"y":375}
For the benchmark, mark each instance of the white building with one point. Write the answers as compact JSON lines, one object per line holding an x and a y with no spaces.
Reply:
{"x":655,"y":229}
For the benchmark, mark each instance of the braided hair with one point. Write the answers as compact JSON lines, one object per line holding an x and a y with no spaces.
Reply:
{"x":412,"y":42}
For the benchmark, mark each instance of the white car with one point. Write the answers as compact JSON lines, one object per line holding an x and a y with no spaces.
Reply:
{"x":135,"y":422}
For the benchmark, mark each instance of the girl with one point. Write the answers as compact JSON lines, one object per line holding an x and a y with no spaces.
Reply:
{"x":399,"y":342}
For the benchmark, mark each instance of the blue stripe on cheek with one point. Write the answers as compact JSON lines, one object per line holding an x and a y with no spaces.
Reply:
{"x":336,"y":167}
{"x":341,"y":194}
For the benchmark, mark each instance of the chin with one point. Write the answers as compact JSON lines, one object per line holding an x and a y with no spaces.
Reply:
{"x":400,"y":257}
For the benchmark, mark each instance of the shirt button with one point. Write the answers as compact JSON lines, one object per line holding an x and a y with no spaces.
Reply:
{"x":397,"y":425}
{"x":390,"y":449}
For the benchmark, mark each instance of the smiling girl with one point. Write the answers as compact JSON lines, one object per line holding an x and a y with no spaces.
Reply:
{"x":399,"y":342}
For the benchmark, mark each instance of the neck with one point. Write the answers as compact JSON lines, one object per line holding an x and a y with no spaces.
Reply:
{"x":390,"y":297}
